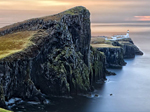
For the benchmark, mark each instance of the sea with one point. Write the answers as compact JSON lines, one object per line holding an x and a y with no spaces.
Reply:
{"x":128,"y":91}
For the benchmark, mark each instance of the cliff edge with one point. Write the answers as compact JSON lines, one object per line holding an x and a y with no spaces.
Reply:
{"x":116,"y":50}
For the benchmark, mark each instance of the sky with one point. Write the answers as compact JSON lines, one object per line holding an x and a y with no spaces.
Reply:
{"x":102,"y":11}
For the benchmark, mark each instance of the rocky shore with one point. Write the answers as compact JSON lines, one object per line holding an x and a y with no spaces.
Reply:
{"x":52,"y":56}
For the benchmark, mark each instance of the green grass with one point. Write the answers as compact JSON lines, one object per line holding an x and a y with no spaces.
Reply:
{"x":97,"y":40}
{"x":12,"y":43}
{"x":104,"y":46}
{"x":100,"y":40}
{"x":108,"y":42}
{"x":3,"y":110}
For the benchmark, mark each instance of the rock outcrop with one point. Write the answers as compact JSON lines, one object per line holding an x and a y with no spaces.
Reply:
{"x":114,"y":55}
{"x":55,"y":60}
{"x":116,"y":50}
{"x":98,"y":68}
{"x":130,"y":50}
{"x":2,"y":98}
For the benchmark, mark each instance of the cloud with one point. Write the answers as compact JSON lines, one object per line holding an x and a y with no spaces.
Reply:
{"x":142,"y":18}
{"x":30,"y":4}
{"x":101,"y":10}
{"x":52,"y":3}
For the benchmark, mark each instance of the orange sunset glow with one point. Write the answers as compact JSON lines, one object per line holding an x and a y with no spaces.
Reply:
{"x":142,"y":18}
{"x":102,"y":11}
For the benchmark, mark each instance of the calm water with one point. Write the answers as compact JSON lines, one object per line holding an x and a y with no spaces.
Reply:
{"x":130,"y":87}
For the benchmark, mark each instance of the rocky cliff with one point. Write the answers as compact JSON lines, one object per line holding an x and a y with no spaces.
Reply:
{"x":130,"y":50}
{"x":98,"y":68}
{"x":116,"y":50}
{"x":114,"y":55}
{"x":49,"y":55}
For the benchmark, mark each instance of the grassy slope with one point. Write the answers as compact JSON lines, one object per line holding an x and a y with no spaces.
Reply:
{"x":104,"y":46}
{"x":12,"y":43}
{"x":3,"y":110}
{"x":99,"y":42}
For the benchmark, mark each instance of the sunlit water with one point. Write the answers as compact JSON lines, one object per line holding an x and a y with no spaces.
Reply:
{"x":130,"y":88}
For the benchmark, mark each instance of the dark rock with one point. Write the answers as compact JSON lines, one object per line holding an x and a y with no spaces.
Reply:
{"x":130,"y":50}
{"x":98,"y":69}
{"x":110,"y":73}
{"x":116,"y":50}
{"x":96,"y":95}
{"x":114,"y":57}
{"x":2,"y":98}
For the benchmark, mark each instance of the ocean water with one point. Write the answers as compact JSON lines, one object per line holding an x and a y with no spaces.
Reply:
{"x":130,"y":88}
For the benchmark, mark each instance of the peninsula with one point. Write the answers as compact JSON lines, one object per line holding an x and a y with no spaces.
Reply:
{"x":54,"y":56}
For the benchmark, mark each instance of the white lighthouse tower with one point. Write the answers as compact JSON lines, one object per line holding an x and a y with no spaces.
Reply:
{"x":127,"y":34}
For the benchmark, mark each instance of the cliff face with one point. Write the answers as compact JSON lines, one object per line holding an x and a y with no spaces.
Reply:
{"x":114,"y":57}
{"x":130,"y":50}
{"x":98,"y":68}
{"x":57,"y":60}
{"x":113,"y":54}
{"x":116,"y":50}
{"x":2,"y":98}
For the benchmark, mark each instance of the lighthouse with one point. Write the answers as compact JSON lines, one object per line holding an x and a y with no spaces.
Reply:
{"x":127,"y":35}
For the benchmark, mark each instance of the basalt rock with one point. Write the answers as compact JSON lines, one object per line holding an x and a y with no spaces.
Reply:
{"x":64,"y":73}
{"x":58,"y":62}
{"x":116,"y":50}
{"x":130,"y":50}
{"x":98,"y":68}
{"x":114,"y":55}
{"x":2,"y":98}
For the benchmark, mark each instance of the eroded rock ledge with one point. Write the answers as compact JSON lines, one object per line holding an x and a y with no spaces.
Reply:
{"x":57,"y":60}
{"x":116,"y":50}
{"x":114,"y":55}
{"x":130,"y":50}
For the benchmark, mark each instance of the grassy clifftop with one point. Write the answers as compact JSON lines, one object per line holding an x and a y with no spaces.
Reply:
{"x":19,"y":34}
{"x":3,"y":110}
{"x":16,"y":41}
{"x":12,"y":43}
{"x":104,"y":46}
{"x":100,"y":42}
